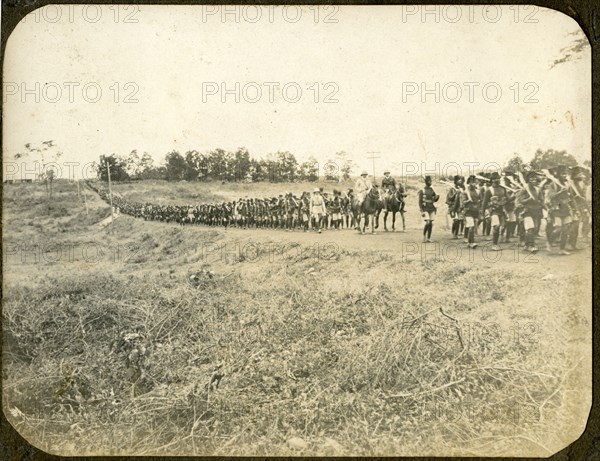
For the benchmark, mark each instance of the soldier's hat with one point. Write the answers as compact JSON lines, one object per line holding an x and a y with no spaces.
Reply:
{"x":578,"y":172}
{"x":561,"y":169}
{"x":350,"y":190}
{"x":494,"y":176}
{"x":336,"y":192}
{"x":456,"y":178}
{"x":317,"y":190}
{"x":509,"y":173}
{"x":471,"y":179}
{"x":427,"y":178}
{"x":386,"y":172}
{"x":364,"y":173}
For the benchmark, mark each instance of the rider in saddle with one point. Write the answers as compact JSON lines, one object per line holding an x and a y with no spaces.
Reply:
{"x":388,"y":186}
{"x":362,"y":187}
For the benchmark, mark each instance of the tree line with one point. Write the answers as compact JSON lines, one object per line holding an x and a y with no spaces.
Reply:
{"x":544,"y":159}
{"x":222,"y":165}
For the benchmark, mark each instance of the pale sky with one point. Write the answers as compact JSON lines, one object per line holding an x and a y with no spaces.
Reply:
{"x":372,"y":61}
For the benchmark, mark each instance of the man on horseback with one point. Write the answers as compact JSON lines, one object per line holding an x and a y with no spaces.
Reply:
{"x":388,"y":186}
{"x":362,"y":187}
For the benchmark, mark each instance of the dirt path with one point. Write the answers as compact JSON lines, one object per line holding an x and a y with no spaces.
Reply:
{"x":406,"y":245}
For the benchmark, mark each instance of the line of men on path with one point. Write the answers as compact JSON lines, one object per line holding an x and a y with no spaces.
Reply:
{"x":316,"y":211}
{"x":507,"y":205}
{"x":516,"y":204}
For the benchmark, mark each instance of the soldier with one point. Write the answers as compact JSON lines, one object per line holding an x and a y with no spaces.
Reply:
{"x":559,"y":201}
{"x":317,"y":208}
{"x":452,"y":204}
{"x":427,"y":199}
{"x":511,"y":217}
{"x":459,"y":216}
{"x":493,"y":202}
{"x":578,"y":204}
{"x":484,"y":215}
{"x":469,"y":208}
{"x":335,"y":210}
{"x":305,"y":210}
{"x":529,"y":204}
{"x":388,"y":186}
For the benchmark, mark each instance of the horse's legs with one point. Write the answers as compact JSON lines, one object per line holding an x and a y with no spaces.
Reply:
{"x":385,"y":215}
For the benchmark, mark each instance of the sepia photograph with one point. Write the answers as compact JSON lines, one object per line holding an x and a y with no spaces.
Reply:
{"x":297,"y":230}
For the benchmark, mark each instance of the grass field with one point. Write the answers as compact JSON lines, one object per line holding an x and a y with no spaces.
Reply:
{"x":282,"y":343}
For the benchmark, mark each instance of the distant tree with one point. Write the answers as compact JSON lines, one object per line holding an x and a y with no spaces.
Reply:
{"x":133,"y":165}
{"x":216,"y":164}
{"x":176,"y":166}
{"x":194,"y":161}
{"x":286,"y":165}
{"x":345,"y":165}
{"x":117,"y":165}
{"x":259,"y":170}
{"x":242,"y":163}
{"x":587,"y":164}
{"x":515,"y":163}
{"x":309,"y":170}
{"x":551,"y":158}
{"x":146,"y":167}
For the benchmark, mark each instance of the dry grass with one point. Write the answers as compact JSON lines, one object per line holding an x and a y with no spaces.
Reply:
{"x":162,"y":351}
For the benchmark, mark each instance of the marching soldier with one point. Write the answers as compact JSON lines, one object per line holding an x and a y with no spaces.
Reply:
{"x":560,"y":203}
{"x":427,"y":199}
{"x":509,"y":208}
{"x":580,"y":181}
{"x":529,"y":204}
{"x":469,"y":208}
{"x":452,"y":202}
{"x":336,"y":210}
{"x":579,"y":205}
{"x":493,"y":202}
{"x":484,"y":216}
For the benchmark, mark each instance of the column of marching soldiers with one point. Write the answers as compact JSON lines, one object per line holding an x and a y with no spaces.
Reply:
{"x":516,"y":205}
{"x":496,"y":207}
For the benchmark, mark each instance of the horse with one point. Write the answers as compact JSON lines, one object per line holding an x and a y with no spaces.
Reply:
{"x":395,"y":204}
{"x":371,"y":205}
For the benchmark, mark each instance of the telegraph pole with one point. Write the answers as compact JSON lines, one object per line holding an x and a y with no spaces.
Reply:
{"x":373,"y":157}
{"x":112,"y":215}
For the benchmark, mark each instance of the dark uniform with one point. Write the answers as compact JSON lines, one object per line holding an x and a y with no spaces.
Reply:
{"x":493,"y":202}
{"x":388,"y":185}
{"x":469,"y":204}
{"x":427,"y":199}
{"x":528,"y":206}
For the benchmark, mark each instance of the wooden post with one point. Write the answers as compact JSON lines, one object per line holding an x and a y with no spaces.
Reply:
{"x":373,"y":157}
{"x":112,"y":215}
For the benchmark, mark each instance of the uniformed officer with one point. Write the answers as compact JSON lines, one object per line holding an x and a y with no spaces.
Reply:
{"x":362,"y":187}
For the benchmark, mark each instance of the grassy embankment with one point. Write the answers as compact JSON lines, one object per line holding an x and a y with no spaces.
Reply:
{"x":110,"y":348}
